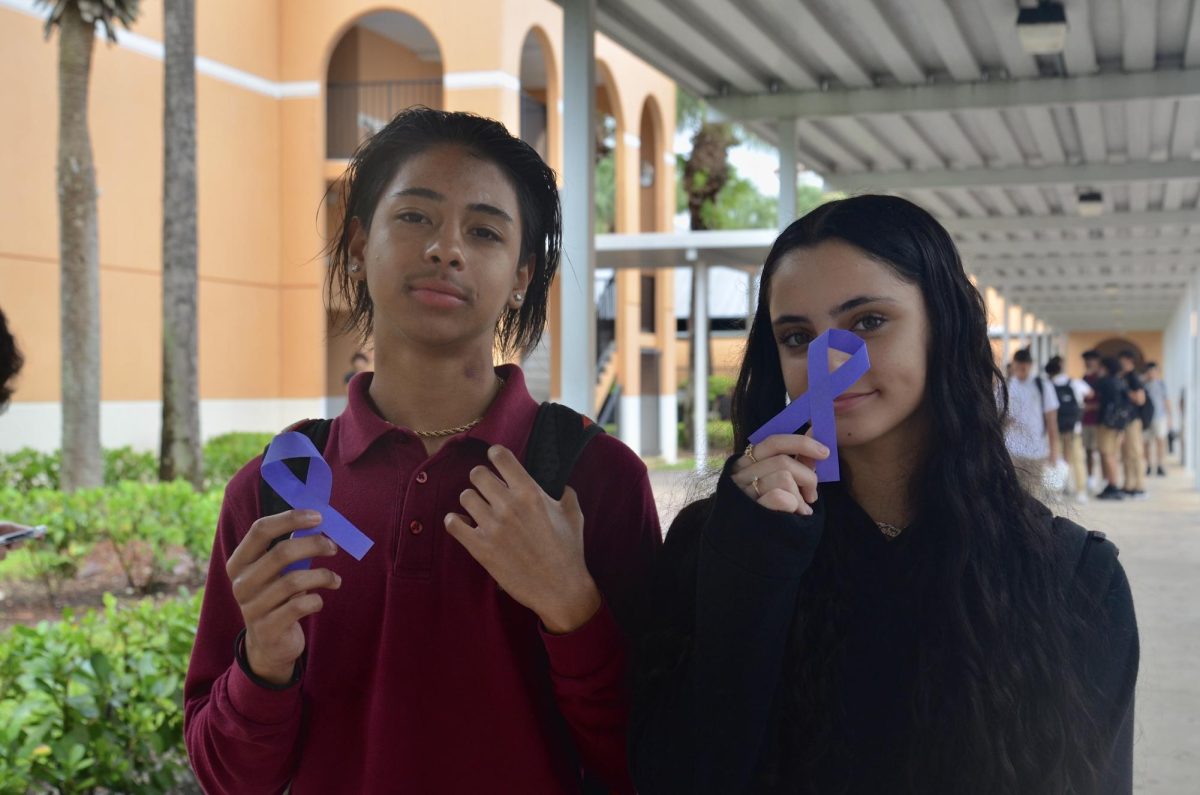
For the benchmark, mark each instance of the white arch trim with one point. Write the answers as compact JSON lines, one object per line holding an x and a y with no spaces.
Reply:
{"x":143,"y":45}
{"x":482,"y":79}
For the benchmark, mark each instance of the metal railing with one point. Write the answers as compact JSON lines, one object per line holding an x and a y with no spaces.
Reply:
{"x":356,"y":111}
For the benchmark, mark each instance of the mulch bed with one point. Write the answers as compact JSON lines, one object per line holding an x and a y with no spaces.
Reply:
{"x":23,"y":602}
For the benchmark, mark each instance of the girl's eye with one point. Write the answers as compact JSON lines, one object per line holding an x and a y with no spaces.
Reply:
{"x":487,"y":234}
{"x":411,"y":217}
{"x":870,"y":323}
{"x":796,"y":339}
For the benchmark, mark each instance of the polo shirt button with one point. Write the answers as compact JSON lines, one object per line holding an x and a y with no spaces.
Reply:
{"x":422,"y":477}
{"x":416,"y":527}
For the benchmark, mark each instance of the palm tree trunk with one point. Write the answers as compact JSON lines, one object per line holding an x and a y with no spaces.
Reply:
{"x":79,"y":255}
{"x":180,"y":455}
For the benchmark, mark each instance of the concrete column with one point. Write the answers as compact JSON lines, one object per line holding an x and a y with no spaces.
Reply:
{"x":628,"y":353}
{"x":699,"y":334}
{"x":751,"y":296}
{"x":1191,"y":412}
{"x":668,"y":398}
{"x":576,"y":348}
{"x":788,"y":171}
{"x":1006,"y":332}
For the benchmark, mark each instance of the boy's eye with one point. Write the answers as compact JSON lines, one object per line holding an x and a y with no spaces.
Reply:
{"x":411,"y":217}
{"x":487,"y":234}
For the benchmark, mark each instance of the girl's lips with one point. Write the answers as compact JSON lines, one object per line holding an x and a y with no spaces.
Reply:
{"x":846,"y":402}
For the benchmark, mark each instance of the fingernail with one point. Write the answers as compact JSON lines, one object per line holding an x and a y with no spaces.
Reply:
{"x":824,"y":451}
{"x":312,"y":516}
{"x":330,"y":547}
{"x":337,"y":581}
{"x":493,"y":451}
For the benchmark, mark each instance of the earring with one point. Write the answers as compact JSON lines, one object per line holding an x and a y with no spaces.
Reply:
{"x":355,"y":268}
{"x":519,"y":296}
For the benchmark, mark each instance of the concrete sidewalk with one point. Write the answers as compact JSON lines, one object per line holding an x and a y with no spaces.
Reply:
{"x":1159,"y":539}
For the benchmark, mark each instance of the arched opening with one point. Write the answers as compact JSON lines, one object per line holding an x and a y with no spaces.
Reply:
{"x":384,"y":62}
{"x":387,"y":61}
{"x":537,"y":78}
{"x":1114,"y":346}
{"x":650,"y":160}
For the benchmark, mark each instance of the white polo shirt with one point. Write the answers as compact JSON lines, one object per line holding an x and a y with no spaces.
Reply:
{"x":1025,"y":432}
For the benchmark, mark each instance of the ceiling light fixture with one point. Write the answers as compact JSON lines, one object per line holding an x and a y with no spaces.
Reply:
{"x":1091,"y":203}
{"x":1043,"y":29}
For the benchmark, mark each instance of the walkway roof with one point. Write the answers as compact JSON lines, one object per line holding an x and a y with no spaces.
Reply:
{"x":938,"y":101}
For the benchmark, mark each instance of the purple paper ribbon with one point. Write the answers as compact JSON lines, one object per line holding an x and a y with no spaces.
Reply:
{"x":816,"y":405}
{"x":311,"y":494}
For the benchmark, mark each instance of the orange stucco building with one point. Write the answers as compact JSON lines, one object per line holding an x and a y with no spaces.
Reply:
{"x":284,"y":92}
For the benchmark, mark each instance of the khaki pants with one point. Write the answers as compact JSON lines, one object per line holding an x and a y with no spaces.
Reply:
{"x":1132,"y":455}
{"x":1072,"y":443}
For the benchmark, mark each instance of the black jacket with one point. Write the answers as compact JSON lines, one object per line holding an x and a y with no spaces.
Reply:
{"x":711,"y":664}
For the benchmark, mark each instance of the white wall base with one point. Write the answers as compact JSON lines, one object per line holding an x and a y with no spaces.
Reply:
{"x":668,"y":432}
{"x":137,"y":423}
{"x":629,"y":422}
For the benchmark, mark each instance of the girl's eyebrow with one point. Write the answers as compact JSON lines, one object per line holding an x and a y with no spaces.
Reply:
{"x":841,"y":309}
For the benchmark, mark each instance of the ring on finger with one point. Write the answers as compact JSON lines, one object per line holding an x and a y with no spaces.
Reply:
{"x":754,"y":483}
{"x":749,"y":453}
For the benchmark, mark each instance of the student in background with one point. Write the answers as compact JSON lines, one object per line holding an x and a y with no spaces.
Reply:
{"x":1114,"y":415}
{"x":1032,"y":430}
{"x":10,"y":364}
{"x":1091,"y":417}
{"x":1160,"y":424}
{"x":1131,"y":445}
{"x":1071,"y":394}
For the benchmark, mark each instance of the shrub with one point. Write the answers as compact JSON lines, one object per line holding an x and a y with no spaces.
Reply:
{"x":224,"y":455}
{"x":126,"y":464}
{"x":70,"y":521}
{"x":96,"y":702}
{"x":152,"y":527}
{"x":29,"y":469}
{"x":720,"y":437}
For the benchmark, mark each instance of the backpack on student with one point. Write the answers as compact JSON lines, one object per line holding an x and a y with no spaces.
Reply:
{"x":1069,"y":410}
{"x":558,"y":438}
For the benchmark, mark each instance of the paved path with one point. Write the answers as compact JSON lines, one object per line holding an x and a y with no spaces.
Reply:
{"x":1159,"y":541}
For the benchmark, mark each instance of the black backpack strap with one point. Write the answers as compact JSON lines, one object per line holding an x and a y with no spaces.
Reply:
{"x":557,"y":440}
{"x":271,"y":503}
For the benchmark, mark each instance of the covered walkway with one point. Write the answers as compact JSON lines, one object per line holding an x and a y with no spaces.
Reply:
{"x":1061,"y":149}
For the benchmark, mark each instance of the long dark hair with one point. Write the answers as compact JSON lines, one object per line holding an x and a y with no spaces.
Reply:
{"x":996,"y":706}
{"x":411,"y":132}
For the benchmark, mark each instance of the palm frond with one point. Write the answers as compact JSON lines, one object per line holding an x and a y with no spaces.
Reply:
{"x":94,"y":12}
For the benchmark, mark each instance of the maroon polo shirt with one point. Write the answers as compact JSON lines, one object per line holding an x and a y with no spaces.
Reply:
{"x":420,"y":674}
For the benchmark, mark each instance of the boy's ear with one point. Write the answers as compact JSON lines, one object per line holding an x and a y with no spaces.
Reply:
{"x":358,"y":246}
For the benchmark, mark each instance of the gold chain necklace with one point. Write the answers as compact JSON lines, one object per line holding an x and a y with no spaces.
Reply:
{"x":449,"y":431}
{"x":455,"y":430}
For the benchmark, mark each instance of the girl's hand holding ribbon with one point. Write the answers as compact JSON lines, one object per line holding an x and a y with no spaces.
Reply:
{"x":779,"y":473}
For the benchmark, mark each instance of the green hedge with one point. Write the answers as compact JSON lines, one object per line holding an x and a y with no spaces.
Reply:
{"x":152,"y":527}
{"x":95,"y":703}
{"x":224,"y":455}
{"x":28,"y":469}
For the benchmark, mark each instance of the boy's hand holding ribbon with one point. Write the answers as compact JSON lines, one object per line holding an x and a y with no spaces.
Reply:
{"x":273,"y":582}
